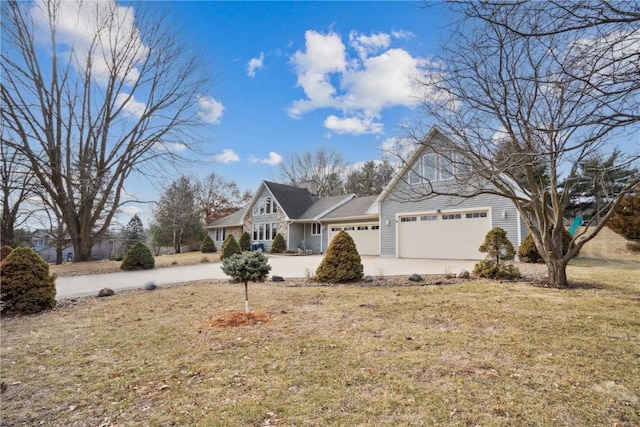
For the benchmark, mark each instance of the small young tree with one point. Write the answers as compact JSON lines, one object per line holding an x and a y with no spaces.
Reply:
{"x":208,"y":245}
{"x":230,"y":246}
{"x":26,"y":285}
{"x":278,"y":246}
{"x":132,"y":233}
{"x":139,"y":257}
{"x":245,"y":242}
{"x":250,"y":266}
{"x":342,"y":261}
{"x":498,"y":248}
{"x":626,"y":218}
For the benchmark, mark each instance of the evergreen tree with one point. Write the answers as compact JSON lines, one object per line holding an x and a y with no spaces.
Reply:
{"x":278,"y":245}
{"x":597,"y":184}
{"x":132,"y":233}
{"x":245,"y":241}
{"x":626,"y":218}
{"x":208,"y":245}
{"x":342,"y":261}
{"x":370,"y":180}
{"x":250,"y":266}
{"x":498,"y":248}
{"x":230,"y":246}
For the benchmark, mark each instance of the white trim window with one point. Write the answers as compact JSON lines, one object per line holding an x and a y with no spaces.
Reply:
{"x":316,"y":229}
{"x":274,"y":227}
{"x":220,"y":234}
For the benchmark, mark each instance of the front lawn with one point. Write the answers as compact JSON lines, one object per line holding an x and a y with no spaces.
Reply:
{"x":475,"y":353}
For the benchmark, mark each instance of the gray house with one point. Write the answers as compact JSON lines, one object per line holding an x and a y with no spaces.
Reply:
{"x":396,"y":223}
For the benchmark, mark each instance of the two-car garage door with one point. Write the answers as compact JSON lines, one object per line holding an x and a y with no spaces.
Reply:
{"x":446,"y":235}
{"x":366,"y":236}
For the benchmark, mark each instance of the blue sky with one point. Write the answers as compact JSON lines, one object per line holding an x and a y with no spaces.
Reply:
{"x":295,"y":76}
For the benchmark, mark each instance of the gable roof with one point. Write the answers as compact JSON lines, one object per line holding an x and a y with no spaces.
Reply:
{"x":231,"y":220}
{"x":294,"y":201}
{"x":325,"y":205}
{"x":358,"y":207}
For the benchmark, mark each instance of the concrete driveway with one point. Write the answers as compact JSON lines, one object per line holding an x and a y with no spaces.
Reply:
{"x":281,"y":265}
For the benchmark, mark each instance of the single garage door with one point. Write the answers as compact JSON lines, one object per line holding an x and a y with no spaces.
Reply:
{"x":446,"y":235}
{"x":365,"y":236}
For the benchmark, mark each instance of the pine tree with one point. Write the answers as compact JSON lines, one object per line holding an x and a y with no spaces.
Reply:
{"x":132,"y":233}
{"x":230,"y":246}
{"x":342,"y":261}
{"x":245,"y":241}
{"x":208,"y":245}
{"x":498,"y":248}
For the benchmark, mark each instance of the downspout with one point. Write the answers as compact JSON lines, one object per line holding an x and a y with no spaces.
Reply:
{"x":321,"y":235}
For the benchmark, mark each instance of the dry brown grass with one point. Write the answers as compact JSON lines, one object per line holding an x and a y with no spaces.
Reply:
{"x":97,"y":267}
{"x":608,"y":245}
{"x":473,"y":353}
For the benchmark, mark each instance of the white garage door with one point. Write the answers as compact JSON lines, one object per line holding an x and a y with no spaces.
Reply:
{"x":365,"y":236}
{"x":446,"y":235}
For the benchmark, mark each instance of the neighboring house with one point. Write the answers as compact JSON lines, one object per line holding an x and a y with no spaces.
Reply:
{"x":44,"y":243}
{"x":394,"y":224}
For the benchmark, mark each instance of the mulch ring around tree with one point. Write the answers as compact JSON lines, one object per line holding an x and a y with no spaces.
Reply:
{"x":239,"y":318}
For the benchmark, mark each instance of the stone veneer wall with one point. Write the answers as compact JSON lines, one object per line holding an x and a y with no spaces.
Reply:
{"x":283,"y":228}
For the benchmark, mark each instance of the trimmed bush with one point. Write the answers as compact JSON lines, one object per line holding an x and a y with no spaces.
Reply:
{"x":528,"y":252}
{"x":208,"y":245}
{"x":26,"y":285}
{"x":230,"y":246}
{"x":139,"y":257}
{"x":278,"y":245}
{"x":245,"y":242}
{"x":5,"y":251}
{"x":498,"y":248}
{"x":342,"y":262}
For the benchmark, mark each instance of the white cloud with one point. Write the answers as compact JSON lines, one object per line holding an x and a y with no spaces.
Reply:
{"x":130,"y":106}
{"x":131,"y":210}
{"x":402,"y":34}
{"x":78,"y":24}
{"x":171,"y":146}
{"x":324,"y":55}
{"x":227,"y":156}
{"x":361,"y":85}
{"x":273,"y":159}
{"x":210,"y":109}
{"x":352,"y":125}
{"x":255,"y":64}
{"x":367,"y":45}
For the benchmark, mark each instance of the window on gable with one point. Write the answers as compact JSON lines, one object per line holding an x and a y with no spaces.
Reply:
{"x":446,"y":167}
{"x":414,"y":176}
{"x":429,"y":167}
{"x":268,"y":205}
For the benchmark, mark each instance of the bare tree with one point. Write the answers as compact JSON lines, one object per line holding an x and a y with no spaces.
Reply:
{"x":323,"y":166}
{"x":177,"y":216}
{"x":523,"y":111}
{"x":217,"y":197}
{"x":88,"y":111}
{"x":16,"y":181}
{"x":370,"y":179}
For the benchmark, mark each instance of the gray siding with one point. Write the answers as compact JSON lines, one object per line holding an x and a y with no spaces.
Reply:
{"x":401,"y":201}
{"x":296,"y":236}
{"x":258,"y":219}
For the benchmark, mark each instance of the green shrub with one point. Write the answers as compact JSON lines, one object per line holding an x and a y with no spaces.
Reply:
{"x":528,"y":252}
{"x":278,"y":245}
{"x":5,"y":251}
{"x":139,"y":257}
{"x":26,"y":285}
{"x":498,"y":248}
{"x":342,"y":261}
{"x":489,"y":269}
{"x":626,"y":218}
{"x":208,"y":245}
{"x":245,"y":242}
{"x":230,"y":246}
{"x":250,"y":266}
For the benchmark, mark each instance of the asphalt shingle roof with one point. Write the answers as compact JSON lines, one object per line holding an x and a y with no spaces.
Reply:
{"x":322,"y":205}
{"x":355,"y":207}
{"x":294,"y":201}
